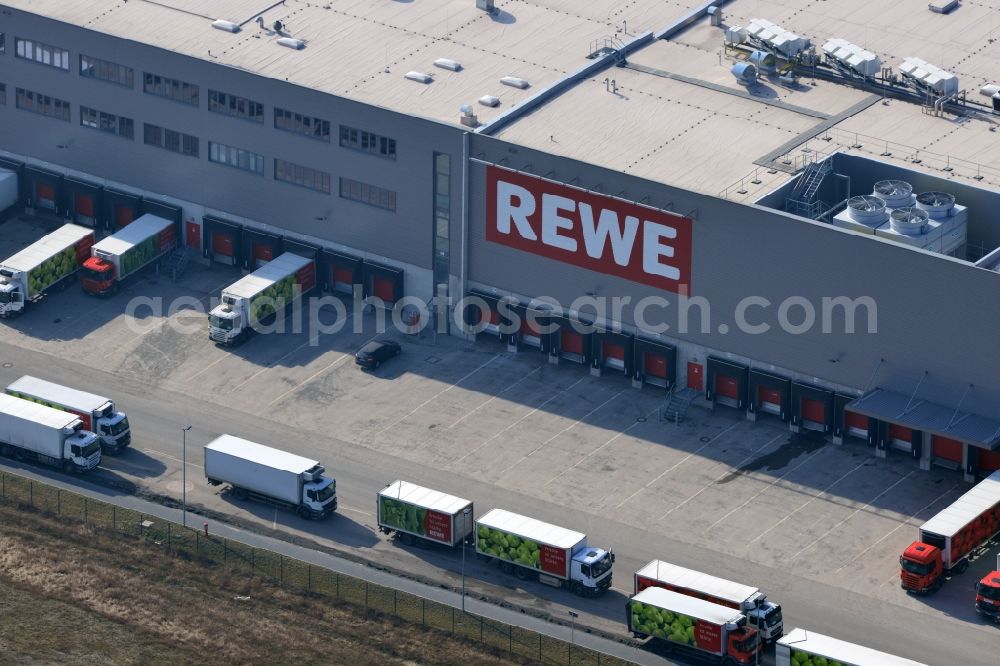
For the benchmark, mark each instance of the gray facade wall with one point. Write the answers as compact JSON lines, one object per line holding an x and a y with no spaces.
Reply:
{"x":934,"y":314}
{"x":405,"y":236}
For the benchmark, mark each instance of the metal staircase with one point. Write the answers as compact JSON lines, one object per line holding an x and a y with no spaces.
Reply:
{"x":177,"y":262}
{"x":676,"y":405}
{"x":802,"y":200}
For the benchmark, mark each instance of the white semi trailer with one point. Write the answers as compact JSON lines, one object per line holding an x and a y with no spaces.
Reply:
{"x":30,"y":431}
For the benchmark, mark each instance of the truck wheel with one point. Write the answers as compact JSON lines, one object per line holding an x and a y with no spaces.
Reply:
{"x":521,"y":573}
{"x":304,"y":513}
{"x":728,"y":661}
{"x":409,"y":539}
{"x":506,"y":567}
{"x":960,"y":569}
{"x":239,"y":493}
{"x":578,"y":589}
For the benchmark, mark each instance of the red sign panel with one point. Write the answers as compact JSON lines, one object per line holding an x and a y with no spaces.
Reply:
{"x":306,"y":277}
{"x":165,"y":240}
{"x":708,"y":636}
{"x":552,"y":560}
{"x":588,"y":230}
{"x":83,"y":248}
{"x":437,"y":526}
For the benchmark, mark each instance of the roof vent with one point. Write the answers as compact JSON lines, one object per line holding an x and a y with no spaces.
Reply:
{"x":515,"y":82}
{"x":942,"y":6}
{"x":908,"y":221}
{"x":867,"y":210}
{"x":485,"y":5}
{"x":447,"y":63}
{"x":419,"y":77}
{"x":489,"y":100}
{"x":895,"y":193}
{"x":468,"y":118}
{"x":292,"y":43}
{"x":936,"y":204}
{"x":228,"y":26}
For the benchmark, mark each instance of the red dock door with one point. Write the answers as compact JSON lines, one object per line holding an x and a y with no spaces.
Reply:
{"x":769,"y":400}
{"x":813,"y":410}
{"x":571,"y":343}
{"x":614,"y":355}
{"x":83,"y":206}
{"x":901,"y":437}
{"x":655,"y":366}
{"x":947,"y":449}
{"x":727,"y":387}
{"x":262,"y":254}
{"x":123,"y":216}
{"x":343,"y":279}
{"x":383,"y":288}
{"x":856,"y":425}
{"x":45,"y":195}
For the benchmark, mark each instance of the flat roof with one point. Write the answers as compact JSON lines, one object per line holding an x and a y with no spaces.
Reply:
{"x":260,"y":454}
{"x":135,"y":232}
{"x":842,"y":651}
{"x":984,"y":495}
{"x":529,"y":528}
{"x":697,"y":581}
{"x":690,"y":606}
{"x":424,"y":498}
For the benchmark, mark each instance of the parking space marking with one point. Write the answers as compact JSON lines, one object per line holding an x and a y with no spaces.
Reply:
{"x":435,"y":396}
{"x":676,"y":464}
{"x":362,"y":512}
{"x":762,"y":490}
{"x":561,"y":432}
{"x":209,"y":366}
{"x":314,"y":376}
{"x":474,"y":409}
{"x":806,"y":503}
{"x":509,"y":426}
{"x":895,"y":529}
{"x":729,"y":470}
{"x":586,"y":457}
{"x":167,"y":455}
{"x":853,"y":513}
{"x":185,"y":311}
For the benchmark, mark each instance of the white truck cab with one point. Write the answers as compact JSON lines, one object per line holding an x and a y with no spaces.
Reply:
{"x":83,"y":449}
{"x":591,"y":567}
{"x":11,"y":293}
{"x":113,"y":430}
{"x":225,"y":324}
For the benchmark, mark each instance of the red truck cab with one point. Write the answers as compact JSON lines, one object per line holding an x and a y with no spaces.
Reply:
{"x":988,"y":596}
{"x":97,"y":276}
{"x":921,"y":569}
{"x":744,"y":644}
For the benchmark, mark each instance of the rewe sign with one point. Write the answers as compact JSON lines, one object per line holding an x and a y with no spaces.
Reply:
{"x":588,"y":230}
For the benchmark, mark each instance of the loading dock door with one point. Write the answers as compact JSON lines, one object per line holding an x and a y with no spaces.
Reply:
{"x":947,"y":449}
{"x":571,"y":344}
{"x":45,"y":195}
{"x":124,"y":216}
{"x":769,"y":400}
{"x":343,"y":279}
{"x":655,"y":368}
{"x":530,"y":333}
{"x":222,"y":247}
{"x":261,"y":254}
{"x":727,"y":389}
{"x":695,"y":375}
{"x":83,"y":208}
{"x":383,"y":288}
{"x":989,"y":461}
{"x":901,"y":437}
{"x":813,"y":414}
{"x":856,"y":425}
{"x":613,"y":355}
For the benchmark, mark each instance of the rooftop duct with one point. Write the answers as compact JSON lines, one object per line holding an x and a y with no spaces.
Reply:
{"x":228,"y":26}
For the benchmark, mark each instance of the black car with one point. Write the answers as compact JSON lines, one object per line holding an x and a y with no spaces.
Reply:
{"x":372,"y":354}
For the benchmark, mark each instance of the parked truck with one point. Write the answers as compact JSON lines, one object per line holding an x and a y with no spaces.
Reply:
{"x":124,"y":254}
{"x":946,"y":540}
{"x":554,"y":555}
{"x":30,"y":431}
{"x":268,"y":475}
{"x":807,"y":648}
{"x":988,"y":594}
{"x":98,"y":414}
{"x":692,"y":627}
{"x":8,"y":190}
{"x":260,"y":296}
{"x":763,"y":615}
{"x":413,"y":513}
{"x":47,"y":264}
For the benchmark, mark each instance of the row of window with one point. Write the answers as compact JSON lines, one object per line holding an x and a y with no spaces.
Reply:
{"x":303,"y":176}
{"x":104,"y":70}
{"x":236,"y":157}
{"x":367,"y":194}
{"x":367,"y":142}
{"x":175,"y":89}
{"x":42,"y":104}
{"x":238,"y":107}
{"x":41,"y":53}
{"x":107,"y":122}
{"x":172,"y":140}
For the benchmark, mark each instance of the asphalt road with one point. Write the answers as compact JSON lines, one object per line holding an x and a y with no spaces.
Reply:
{"x":157,"y":416}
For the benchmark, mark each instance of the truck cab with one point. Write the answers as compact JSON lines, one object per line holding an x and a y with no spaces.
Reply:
{"x":83,"y":450}
{"x":319,"y":493}
{"x":11,"y":294}
{"x":921,"y":568}
{"x":590,"y":570}
{"x":988,"y":596}
{"x":225,"y":324}
{"x":113,"y":429}
{"x":765,"y":616}
{"x":743,"y":644}
{"x":97,"y":276}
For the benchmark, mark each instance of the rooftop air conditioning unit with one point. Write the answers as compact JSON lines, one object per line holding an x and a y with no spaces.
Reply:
{"x":868,"y":210}
{"x":908,"y":221}
{"x":895,"y":193}
{"x":936,"y":204}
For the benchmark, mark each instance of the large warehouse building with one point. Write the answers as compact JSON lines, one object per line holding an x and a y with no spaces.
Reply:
{"x":735,"y":198}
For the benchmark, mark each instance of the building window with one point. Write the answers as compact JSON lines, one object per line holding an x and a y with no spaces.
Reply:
{"x":238,"y":107}
{"x":316,"y":128}
{"x":3,"y":44}
{"x":94,"y":68}
{"x":179,"y":91}
{"x":107,"y":122}
{"x":367,"y":142}
{"x":442,"y":221}
{"x":3,"y":93}
{"x":235,"y":157}
{"x":43,"y":53}
{"x":297,"y":174}
{"x":367,"y":194}
{"x":175,"y":142}
{"x":42,"y":104}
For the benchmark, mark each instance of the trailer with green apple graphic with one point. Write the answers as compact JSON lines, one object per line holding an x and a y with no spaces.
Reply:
{"x":413,"y":512}
{"x":44,"y":266}
{"x":807,"y":648}
{"x":553,"y":555}
{"x":125,"y":253}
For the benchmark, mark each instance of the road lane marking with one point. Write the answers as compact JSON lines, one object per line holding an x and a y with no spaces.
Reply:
{"x":535,"y":409}
{"x":433,"y":397}
{"x":167,"y":455}
{"x":473,"y":410}
{"x":898,"y":527}
{"x":344,"y":507}
{"x":806,"y":503}
{"x":209,"y":366}
{"x":854,"y":513}
{"x":675,"y":465}
{"x":561,"y":432}
{"x":729,"y":470}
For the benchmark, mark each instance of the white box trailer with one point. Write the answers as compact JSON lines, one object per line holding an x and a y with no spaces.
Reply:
{"x":555,"y":555}
{"x":807,"y":648}
{"x":46,"y":264}
{"x":416,"y":512}
{"x":117,"y":257}
{"x":763,"y":615}
{"x":257,"y":297}
{"x":8,"y":189}
{"x":97,"y":413}
{"x":31,"y":431}
{"x":270,"y":475}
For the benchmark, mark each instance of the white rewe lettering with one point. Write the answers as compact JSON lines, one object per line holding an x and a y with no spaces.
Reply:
{"x":552,"y":221}
{"x":607,"y":229}
{"x":507,"y":211}
{"x":653,"y":250}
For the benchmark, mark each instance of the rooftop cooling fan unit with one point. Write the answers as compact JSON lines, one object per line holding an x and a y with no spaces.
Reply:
{"x":893,"y":188}
{"x":936,"y":204}
{"x":867,"y":209}
{"x":909,"y":221}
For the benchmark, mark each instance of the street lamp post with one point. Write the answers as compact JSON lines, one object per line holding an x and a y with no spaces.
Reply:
{"x":465,"y":535}
{"x":572,"y":631}
{"x":184,"y":473}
